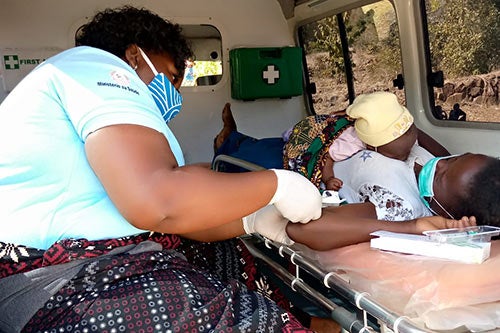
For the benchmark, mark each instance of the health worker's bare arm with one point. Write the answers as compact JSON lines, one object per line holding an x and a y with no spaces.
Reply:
{"x":140,"y":174}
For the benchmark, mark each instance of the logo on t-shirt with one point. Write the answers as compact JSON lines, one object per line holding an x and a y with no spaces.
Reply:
{"x":120,"y":78}
{"x":120,"y":81}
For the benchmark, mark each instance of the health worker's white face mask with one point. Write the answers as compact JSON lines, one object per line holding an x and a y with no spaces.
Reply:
{"x":167,"y":97}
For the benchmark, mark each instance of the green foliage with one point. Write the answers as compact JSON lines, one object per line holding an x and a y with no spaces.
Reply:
{"x":203,"y":68}
{"x":464,"y":35}
{"x":389,"y":51}
{"x":464,"y":38}
{"x":327,"y":39}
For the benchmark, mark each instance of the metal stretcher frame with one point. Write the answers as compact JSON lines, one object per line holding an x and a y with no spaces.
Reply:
{"x":331,"y":280}
{"x":361,"y":300}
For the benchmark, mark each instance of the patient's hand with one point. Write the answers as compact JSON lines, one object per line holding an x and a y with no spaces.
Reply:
{"x":438,"y":222}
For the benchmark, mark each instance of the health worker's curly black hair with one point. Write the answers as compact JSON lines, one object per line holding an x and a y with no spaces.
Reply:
{"x":483,"y":196}
{"x":114,"y":30}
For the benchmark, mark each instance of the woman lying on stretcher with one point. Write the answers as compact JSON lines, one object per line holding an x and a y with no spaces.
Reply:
{"x":464,"y":185}
{"x":383,"y":188}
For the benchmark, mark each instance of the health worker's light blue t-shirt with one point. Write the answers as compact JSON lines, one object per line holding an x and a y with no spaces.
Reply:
{"x":48,"y":191}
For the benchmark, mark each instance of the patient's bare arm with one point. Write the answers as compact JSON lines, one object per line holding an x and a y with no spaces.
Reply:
{"x":341,"y":226}
{"x":353,"y":223}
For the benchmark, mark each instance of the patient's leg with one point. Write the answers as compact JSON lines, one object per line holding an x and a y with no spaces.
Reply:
{"x":265,"y":152}
{"x":229,"y":126}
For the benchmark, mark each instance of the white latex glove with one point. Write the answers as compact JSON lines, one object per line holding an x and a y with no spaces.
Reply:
{"x":268,"y":222}
{"x":296,"y":198}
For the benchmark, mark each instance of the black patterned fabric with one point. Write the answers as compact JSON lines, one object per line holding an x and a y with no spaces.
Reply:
{"x":186,"y":287}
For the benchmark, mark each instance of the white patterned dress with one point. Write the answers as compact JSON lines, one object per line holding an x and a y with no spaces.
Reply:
{"x":389,"y":184}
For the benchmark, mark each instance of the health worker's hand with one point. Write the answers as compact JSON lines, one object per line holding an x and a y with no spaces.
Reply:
{"x":268,"y":222}
{"x":296,"y":198}
{"x":438,"y":222}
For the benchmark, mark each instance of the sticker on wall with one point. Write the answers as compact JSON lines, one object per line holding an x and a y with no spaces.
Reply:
{"x":16,"y":63}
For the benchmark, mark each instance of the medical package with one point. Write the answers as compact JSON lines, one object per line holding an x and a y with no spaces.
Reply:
{"x":459,"y":250}
{"x":481,"y":233}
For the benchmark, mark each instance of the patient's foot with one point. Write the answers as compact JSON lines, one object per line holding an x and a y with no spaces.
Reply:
{"x":229,"y":126}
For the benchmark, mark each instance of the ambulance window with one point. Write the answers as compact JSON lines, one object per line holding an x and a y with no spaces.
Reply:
{"x":206,"y":67}
{"x":464,"y":47}
{"x":351,"y":53}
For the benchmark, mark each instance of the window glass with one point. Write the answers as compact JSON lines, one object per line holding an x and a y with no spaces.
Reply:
{"x":200,"y":71}
{"x":206,"y":43}
{"x":464,"y":38}
{"x":206,"y":67}
{"x":368,"y":59}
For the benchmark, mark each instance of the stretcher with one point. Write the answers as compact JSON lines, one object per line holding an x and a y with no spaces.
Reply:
{"x":389,"y":292}
{"x":353,"y":316}
{"x":368,"y":290}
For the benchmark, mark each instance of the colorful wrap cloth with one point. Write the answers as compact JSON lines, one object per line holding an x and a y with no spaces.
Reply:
{"x":306,"y":149}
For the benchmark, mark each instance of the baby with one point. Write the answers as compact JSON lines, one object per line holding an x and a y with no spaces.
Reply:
{"x":381,"y":124}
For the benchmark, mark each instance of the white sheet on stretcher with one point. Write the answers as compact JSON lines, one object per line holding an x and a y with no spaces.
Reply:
{"x":439,"y":293}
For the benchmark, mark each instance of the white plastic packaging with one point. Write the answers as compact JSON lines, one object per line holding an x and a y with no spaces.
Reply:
{"x":481,"y":234}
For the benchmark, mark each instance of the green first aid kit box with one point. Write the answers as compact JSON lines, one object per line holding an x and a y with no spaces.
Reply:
{"x":268,"y":72}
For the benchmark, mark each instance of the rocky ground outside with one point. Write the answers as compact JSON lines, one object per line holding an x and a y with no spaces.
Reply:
{"x":478,"y":96}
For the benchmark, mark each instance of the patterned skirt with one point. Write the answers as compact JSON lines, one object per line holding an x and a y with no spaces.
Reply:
{"x":176,"y":285}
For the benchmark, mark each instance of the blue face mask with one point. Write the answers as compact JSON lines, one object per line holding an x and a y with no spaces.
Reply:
{"x":426,"y":183}
{"x":167,"y":97}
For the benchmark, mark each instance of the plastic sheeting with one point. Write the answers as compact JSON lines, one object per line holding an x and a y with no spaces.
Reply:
{"x":439,"y":293}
